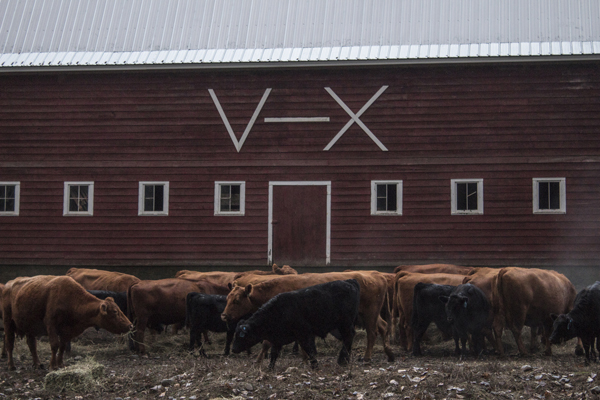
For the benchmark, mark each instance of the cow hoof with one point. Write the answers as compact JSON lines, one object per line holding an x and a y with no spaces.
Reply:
{"x":579,"y":351}
{"x":12,"y":368}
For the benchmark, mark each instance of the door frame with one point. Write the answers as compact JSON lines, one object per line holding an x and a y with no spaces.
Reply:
{"x":328,"y":217}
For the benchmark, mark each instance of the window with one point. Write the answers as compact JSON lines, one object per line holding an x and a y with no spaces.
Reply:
{"x":9,"y":198}
{"x":467,"y":196}
{"x":386,"y":197}
{"x":230,"y":198}
{"x":549,"y":196}
{"x":78,"y":198}
{"x":153,"y":198}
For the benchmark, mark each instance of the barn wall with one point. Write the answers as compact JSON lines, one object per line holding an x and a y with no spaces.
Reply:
{"x":505,"y":124}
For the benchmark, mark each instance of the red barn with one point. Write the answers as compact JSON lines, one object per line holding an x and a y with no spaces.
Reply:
{"x":326,"y":133}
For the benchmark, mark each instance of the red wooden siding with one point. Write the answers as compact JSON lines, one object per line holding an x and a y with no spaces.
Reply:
{"x":505,"y":124}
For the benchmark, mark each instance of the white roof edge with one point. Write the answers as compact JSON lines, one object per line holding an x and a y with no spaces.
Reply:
{"x":465,"y":53}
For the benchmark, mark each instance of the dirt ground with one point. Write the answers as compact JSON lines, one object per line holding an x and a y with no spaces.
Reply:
{"x":169,"y":371}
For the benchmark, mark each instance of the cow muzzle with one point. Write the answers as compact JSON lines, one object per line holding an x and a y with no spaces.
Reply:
{"x":225,"y":317}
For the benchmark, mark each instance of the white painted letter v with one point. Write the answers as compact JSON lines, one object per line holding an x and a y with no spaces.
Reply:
{"x":238,"y":144}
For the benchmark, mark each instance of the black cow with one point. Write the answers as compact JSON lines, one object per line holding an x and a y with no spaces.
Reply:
{"x":302,"y":315}
{"x":428,"y":308}
{"x":583,"y":321}
{"x":119,"y":297}
{"x":468,"y":310}
{"x":202,"y":314}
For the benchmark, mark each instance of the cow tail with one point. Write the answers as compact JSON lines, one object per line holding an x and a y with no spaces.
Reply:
{"x":130,"y":312}
{"x":415,"y":316}
{"x":498,"y":292}
{"x":188,"y":310}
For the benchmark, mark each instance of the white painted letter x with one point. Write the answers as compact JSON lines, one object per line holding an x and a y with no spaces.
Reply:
{"x":238,"y":145}
{"x":355,"y":118}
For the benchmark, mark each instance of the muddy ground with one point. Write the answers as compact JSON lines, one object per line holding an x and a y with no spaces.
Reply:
{"x":169,"y":371}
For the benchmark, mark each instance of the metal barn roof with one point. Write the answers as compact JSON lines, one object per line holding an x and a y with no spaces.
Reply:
{"x":101,"y":33}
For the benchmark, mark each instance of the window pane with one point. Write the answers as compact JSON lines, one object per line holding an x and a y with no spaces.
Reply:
{"x":225,"y":205}
{"x":73,"y":205}
{"x":159,"y":191}
{"x":225,"y":191}
{"x":235,"y":197}
{"x":149,"y":204}
{"x":83,"y":191}
{"x":381,"y":204}
{"x":3,"y":205}
{"x":461,"y":196}
{"x":554,"y":195}
{"x":381,"y":190}
{"x":148,"y":191}
{"x":73,"y":191}
{"x":472,"y":196}
{"x":392,"y":198}
{"x":10,"y":192}
{"x":3,"y":191}
{"x":10,"y":205}
{"x":544,"y":195}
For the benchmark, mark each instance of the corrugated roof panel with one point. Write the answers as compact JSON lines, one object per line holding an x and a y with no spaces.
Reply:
{"x":292,"y":30}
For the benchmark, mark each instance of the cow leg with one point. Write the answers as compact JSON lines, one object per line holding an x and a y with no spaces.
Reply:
{"x":418,"y":331}
{"x":263,"y":351}
{"x":138,"y":336}
{"x":456,"y":345}
{"x":402,"y":332}
{"x":9,"y":343}
{"x":463,"y":342}
{"x":274,"y":354}
{"x":310,"y":348}
{"x":498,"y":328}
{"x":62,"y":346}
{"x":382,"y":327}
{"x":579,"y":348}
{"x":206,"y":338}
{"x":228,"y":341}
{"x":516,"y":331}
{"x":32,"y":344}
{"x":347,"y":334}
{"x":54,"y":340}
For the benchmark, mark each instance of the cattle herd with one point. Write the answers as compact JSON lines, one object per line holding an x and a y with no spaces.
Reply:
{"x":279,"y":307}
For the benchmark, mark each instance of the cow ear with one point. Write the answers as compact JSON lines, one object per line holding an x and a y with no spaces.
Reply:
{"x":103,"y":308}
{"x":248,"y":289}
{"x":230,"y":286}
{"x":553,"y":316}
{"x":444,"y":299}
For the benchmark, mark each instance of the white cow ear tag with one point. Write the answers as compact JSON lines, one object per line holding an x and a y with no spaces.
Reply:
{"x":243,"y":332}
{"x":465,"y":304}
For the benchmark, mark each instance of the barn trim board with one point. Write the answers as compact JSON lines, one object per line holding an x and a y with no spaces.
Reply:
{"x":328,"y":218}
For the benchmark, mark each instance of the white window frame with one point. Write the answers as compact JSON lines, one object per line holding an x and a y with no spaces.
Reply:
{"x":90,"y":210}
{"x":17,"y":186}
{"x":218,"y":185}
{"x":398,"y":197}
{"x":141,"y":190}
{"x":563,"y":195}
{"x":453,"y":194}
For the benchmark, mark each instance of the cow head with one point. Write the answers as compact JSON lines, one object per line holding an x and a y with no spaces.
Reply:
{"x":245,"y":337}
{"x":111,"y":318}
{"x":563,"y":328}
{"x":455,"y":306}
{"x":239,"y":303}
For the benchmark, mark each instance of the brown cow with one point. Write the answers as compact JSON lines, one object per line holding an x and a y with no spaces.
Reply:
{"x":56,"y":306}
{"x":434,"y":269}
{"x":527,"y":296}
{"x":154,"y":302}
{"x":247,"y":299}
{"x":403,"y":299}
{"x":225,"y":278}
{"x":95,"y":279}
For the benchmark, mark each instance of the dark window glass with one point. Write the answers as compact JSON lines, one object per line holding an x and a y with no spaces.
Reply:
{"x":7,"y":198}
{"x":230,"y":198}
{"x":549,"y":195}
{"x":466,"y":196}
{"x":154,"y":198}
{"x":387,"y":197}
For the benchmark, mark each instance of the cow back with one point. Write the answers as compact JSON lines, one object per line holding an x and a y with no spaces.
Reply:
{"x":94,"y":279}
{"x":434,"y":269}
